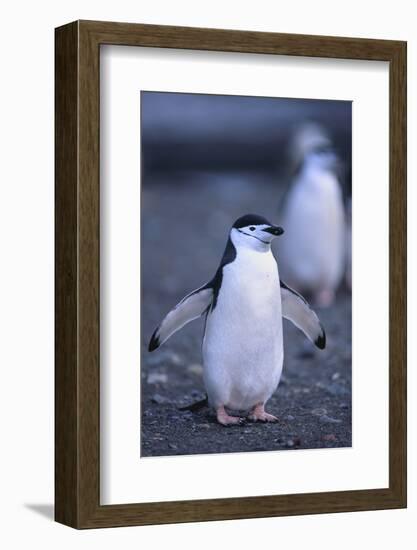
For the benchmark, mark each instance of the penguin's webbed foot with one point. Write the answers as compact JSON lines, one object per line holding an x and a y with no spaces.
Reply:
{"x":258,"y":414}
{"x":324,"y":298}
{"x":226,"y":419}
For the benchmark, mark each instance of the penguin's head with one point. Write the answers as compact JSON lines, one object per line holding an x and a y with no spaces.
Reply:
{"x":324,"y":157}
{"x":253,"y":231}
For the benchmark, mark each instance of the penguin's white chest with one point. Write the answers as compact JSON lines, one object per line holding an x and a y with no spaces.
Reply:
{"x":242,"y":348}
{"x":312,"y":253}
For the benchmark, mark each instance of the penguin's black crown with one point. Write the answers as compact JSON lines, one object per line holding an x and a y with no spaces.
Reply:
{"x":250,"y":219}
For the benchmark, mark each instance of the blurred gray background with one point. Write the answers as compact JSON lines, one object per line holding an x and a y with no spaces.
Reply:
{"x":207,"y":160}
{"x":186,"y":132}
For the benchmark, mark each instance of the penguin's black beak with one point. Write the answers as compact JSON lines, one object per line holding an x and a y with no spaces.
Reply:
{"x":274,"y":230}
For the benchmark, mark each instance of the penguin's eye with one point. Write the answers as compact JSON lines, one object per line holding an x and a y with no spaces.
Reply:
{"x":252,"y":228}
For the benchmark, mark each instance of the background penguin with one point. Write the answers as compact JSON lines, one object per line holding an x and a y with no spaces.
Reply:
{"x":312,"y":256}
{"x":243,"y":305}
{"x":348,"y":276}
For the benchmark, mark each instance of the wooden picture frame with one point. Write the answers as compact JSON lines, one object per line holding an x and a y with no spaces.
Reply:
{"x":77,"y":374}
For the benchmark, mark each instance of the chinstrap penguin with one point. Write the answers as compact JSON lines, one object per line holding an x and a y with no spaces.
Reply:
{"x":243,"y":307}
{"x":348,"y":275}
{"x":312,"y":256}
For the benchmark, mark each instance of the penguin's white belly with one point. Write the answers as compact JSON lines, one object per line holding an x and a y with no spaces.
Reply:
{"x":242,"y":348}
{"x":312,"y":252}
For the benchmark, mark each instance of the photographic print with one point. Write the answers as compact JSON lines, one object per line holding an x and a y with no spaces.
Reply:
{"x":246,"y":274}
{"x":204,"y":277}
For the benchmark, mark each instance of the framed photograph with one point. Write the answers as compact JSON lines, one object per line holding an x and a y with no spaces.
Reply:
{"x":230,"y":274}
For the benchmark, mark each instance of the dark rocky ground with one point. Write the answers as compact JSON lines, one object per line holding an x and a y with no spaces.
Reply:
{"x":184,"y":228}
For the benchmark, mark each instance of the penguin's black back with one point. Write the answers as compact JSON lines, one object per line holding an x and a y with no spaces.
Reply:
{"x":228,"y":257}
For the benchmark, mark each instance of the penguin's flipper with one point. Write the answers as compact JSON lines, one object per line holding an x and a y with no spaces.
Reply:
{"x":191,"y":307}
{"x":297,"y":310}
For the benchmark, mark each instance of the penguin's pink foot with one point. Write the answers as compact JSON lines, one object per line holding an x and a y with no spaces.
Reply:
{"x":226,"y":419}
{"x":324,"y":298}
{"x":258,"y":413}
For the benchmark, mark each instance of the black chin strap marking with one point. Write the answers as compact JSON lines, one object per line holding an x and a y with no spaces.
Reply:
{"x":253,"y":237}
